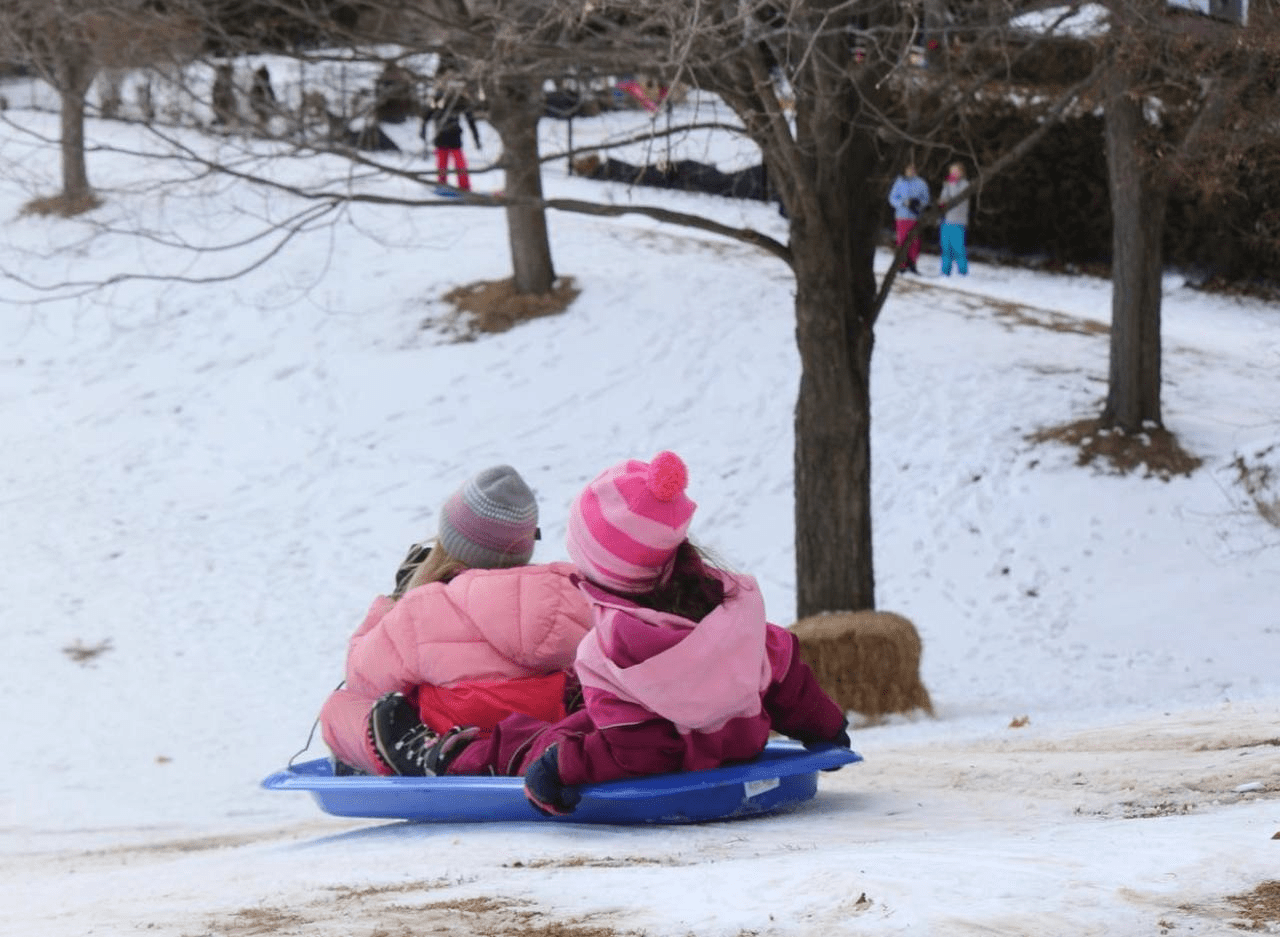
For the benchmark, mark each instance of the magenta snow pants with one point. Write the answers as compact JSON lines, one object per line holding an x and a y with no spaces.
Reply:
{"x":515,"y":743}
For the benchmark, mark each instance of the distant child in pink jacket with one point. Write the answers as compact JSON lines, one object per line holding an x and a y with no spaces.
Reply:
{"x":681,"y":671}
{"x":471,"y":635}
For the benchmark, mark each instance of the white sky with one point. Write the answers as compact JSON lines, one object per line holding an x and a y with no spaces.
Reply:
{"x":217,"y":478}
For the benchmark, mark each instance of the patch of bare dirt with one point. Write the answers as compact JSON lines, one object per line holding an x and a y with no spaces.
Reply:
{"x":169,"y":847}
{"x":594,"y":862}
{"x":364,"y":915}
{"x":248,"y":922}
{"x":1154,"y":451}
{"x":62,"y":205}
{"x":1011,"y":314}
{"x":85,"y":654}
{"x":1017,"y":314}
{"x":1256,"y":911}
{"x":1260,"y":907}
{"x":492,"y":306}
{"x":364,"y":892}
{"x":1223,"y":746}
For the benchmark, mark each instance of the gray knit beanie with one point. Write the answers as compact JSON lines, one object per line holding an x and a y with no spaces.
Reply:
{"x":491,"y":521}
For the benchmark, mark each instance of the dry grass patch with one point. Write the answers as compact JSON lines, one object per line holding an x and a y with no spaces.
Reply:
{"x":360,"y":893}
{"x":1259,"y":483}
{"x":84,"y":654}
{"x":1011,"y":315}
{"x":1155,"y":451}
{"x":62,"y":205}
{"x":579,"y":862}
{"x":501,"y":917}
{"x":367,"y":913}
{"x":1260,"y":907}
{"x":492,"y":306}
{"x":1020,"y":314}
{"x":249,"y":922}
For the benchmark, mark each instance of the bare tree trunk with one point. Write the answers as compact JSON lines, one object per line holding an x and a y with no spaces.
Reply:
{"x":834,"y":249}
{"x":834,"y":564}
{"x":515,"y":107}
{"x":76,"y":77}
{"x":1138,"y":209}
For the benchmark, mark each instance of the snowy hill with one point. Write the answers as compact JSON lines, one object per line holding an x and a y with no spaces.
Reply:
{"x":206,"y":481}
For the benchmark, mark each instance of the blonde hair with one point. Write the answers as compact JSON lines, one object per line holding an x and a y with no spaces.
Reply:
{"x":439,"y":566}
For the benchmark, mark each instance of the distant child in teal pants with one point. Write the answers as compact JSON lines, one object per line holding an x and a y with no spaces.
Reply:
{"x":951,"y":231}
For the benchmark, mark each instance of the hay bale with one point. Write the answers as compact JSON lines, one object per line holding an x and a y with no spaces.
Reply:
{"x":867,"y":661}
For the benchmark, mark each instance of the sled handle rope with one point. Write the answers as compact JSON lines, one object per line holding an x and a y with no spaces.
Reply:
{"x":310,"y":735}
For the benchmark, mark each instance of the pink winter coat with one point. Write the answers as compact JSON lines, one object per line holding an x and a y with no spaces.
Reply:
{"x":666,"y":694}
{"x":486,"y":633}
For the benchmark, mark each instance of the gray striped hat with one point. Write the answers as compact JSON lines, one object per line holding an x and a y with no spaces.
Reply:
{"x":491,"y":521}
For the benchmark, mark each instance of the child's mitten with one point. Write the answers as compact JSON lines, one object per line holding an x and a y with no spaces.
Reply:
{"x":841,"y":740}
{"x":545,"y":790}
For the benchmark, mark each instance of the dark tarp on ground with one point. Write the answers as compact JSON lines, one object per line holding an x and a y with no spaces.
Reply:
{"x":687,"y":175}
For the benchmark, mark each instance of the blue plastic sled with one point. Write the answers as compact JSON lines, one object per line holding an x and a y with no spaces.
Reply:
{"x":446,"y":192}
{"x":784,"y":775}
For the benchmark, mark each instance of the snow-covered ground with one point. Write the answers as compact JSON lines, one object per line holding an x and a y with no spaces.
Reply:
{"x":206,"y":481}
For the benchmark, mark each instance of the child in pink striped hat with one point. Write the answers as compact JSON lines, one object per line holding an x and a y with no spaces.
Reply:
{"x":626,"y":527}
{"x":680,"y":671}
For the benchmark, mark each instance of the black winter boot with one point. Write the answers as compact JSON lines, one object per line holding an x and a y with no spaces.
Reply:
{"x":406,"y":745}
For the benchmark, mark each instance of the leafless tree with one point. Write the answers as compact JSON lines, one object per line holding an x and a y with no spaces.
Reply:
{"x":68,"y":42}
{"x":834,"y":93}
{"x":1186,"y":94}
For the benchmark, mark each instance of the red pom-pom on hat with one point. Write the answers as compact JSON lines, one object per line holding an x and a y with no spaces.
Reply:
{"x":668,"y":476}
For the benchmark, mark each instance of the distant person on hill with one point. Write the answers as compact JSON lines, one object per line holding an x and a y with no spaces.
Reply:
{"x":908,"y":196}
{"x":681,"y":670}
{"x":224,"y":96}
{"x":954,"y":222}
{"x":447,"y":111}
{"x":470,"y":634}
{"x":262,"y":96}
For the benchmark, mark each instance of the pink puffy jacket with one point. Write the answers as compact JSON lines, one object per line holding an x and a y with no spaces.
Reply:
{"x":485,"y":627}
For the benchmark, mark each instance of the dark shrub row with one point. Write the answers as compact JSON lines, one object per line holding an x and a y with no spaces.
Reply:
{"x":1053,"y":207}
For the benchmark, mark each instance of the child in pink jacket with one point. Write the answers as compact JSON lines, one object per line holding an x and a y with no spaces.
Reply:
{"x":476,"y":635}
{"x":681,"y":670}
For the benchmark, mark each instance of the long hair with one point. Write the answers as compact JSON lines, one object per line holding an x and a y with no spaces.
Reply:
{"x":692,"y":591}
{"x":438,"y":566}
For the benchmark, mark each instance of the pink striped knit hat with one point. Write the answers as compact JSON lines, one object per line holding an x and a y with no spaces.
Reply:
{"x":491,"y":521}
{"x":626,"y":524}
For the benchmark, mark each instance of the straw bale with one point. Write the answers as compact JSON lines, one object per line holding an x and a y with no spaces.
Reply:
{"x":867,"y":661}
